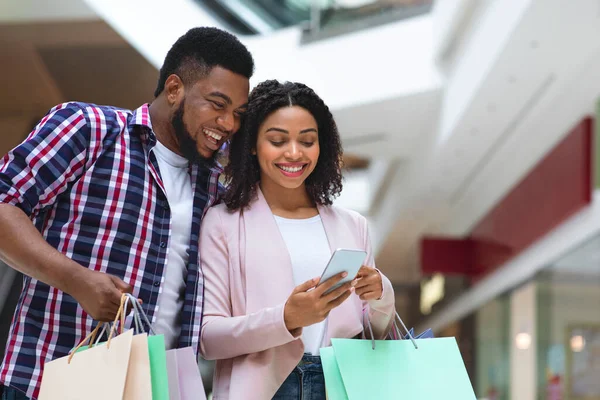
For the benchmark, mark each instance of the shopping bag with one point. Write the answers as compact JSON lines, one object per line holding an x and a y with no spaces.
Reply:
{"x":138,"y":384}
{"x":428,"y":334}
{"x":99,"y":373}
{"x":185,"y":380}
{"x":435,"y":370}
{"x":190,"y":380}
{"x":395,"y":333}
{"x":158,"y":367}
{"x":172,"y":373}
{"x":96,"y":374}
{"x":156,"y":352}
{"x":386,"y":369}
{"x":147,"y":377}
{"x":334,"y":384}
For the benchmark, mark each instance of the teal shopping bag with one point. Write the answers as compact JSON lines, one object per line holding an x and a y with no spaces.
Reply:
{"x":158,"y":367}
{"x":333,"y":379}
{"x":396,"y":369}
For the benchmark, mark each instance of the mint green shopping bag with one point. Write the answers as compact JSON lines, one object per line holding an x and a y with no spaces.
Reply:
{"x":158,"y":367}
{"x":396,"y":369}
{"x":388,"y":369}
{"x":333,"y":379}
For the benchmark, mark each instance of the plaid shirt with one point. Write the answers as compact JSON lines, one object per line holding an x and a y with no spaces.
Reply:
{"x":88,"y":179}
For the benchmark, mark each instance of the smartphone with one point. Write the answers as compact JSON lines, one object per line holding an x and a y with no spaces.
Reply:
{"x":343,"y":260}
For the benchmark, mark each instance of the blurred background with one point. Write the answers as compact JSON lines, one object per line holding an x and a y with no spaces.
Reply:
{"x":468,"y":127}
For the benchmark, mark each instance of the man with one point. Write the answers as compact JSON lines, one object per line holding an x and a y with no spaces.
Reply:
{"x":116,"y":199}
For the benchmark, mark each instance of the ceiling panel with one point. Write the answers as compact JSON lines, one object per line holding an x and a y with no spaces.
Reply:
{"x":77,"y":33}
{"x":47,"y":63}
{"x":111,"y":75}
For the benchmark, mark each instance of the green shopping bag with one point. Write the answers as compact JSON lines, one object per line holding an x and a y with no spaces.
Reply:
{"x":158,"y":367}
{"x":333,"y":378}
{"x":156,"y":351}
{"x":424,"y":369}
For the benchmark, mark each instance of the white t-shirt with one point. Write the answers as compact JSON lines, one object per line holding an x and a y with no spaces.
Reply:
{"x":178,"y":186}
{"x":309,"y":250}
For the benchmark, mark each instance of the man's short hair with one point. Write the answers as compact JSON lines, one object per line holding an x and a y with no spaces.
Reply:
{"x":196,"y":53}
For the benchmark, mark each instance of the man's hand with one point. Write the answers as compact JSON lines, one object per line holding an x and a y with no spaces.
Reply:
{"x":370,"y":285}
{"x":99,"y":294}
{"x":306,"y":307}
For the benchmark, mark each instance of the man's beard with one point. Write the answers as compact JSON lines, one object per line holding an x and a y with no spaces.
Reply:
{"x":187,"y":144}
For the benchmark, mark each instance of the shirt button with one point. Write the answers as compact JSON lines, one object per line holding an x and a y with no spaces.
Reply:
{"x":163,"y":245}
{"x":157,"y":283}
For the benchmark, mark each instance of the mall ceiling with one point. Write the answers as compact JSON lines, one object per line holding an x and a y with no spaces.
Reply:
{"x":52,"y":62}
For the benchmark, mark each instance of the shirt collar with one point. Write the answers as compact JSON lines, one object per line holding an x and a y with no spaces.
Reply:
{"x":141,"y":116}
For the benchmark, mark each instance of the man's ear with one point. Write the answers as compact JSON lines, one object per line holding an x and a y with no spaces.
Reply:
{"x":174,"y":89}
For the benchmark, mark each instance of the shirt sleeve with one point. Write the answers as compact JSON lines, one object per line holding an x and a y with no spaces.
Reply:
{"x":37,"y":171}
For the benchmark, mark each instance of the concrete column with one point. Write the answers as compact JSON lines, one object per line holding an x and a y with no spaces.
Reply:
{"x":523,"y":348}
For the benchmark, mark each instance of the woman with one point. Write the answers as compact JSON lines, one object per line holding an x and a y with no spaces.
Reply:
{"x":264,"y":249}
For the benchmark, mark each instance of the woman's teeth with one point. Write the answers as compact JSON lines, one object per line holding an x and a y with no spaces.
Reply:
{"x":290,"y":169}
{"x":213,"y":135}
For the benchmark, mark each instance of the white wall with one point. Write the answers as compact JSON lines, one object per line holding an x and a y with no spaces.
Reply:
{"x":496,"y":23}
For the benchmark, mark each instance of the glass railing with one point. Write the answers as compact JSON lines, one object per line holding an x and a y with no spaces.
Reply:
{"x":318,"y":17}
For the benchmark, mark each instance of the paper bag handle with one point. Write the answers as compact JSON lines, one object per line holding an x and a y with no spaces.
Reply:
{"x":397,"y":316}
{"x":93,"y":333}
{"x":138,"y":312}
{"x":136,"y":317}
{"x":410,"y":336}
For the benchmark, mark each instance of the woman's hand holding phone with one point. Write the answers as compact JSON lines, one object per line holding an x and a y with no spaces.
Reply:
{"x":369,"y":285}
{"x":306,"y":307}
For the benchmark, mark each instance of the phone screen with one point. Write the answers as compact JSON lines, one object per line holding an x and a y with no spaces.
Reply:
{"x":343,"y":260}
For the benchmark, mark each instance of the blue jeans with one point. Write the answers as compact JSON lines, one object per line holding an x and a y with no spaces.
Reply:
{"x":12,"y":394}
{"x":306,"y":382}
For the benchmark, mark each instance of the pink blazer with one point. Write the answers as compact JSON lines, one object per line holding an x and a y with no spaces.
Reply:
{"x":248,"y":278}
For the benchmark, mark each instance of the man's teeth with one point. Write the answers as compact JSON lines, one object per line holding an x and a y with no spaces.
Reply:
{"x":213,"y":135}
{"x":290,"y":169}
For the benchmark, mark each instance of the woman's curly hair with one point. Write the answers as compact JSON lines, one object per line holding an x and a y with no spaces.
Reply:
{"x":242,"y":174}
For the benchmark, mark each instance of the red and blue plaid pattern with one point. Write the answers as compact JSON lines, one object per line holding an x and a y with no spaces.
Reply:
{"x":89,"y":181}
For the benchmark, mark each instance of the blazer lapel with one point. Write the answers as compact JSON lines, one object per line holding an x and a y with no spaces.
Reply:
{"x":268,"y":267}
